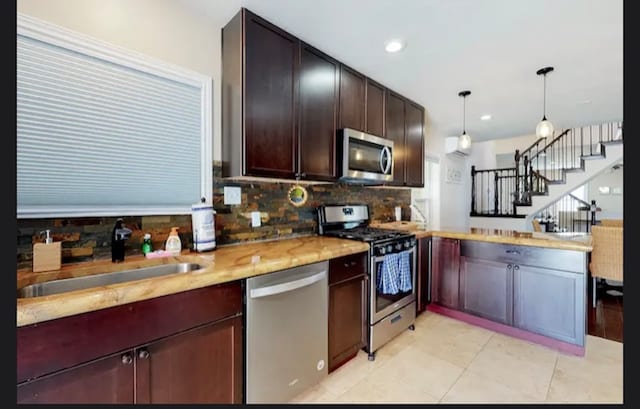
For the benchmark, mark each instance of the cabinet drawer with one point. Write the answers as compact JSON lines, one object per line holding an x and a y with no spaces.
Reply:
{"x":62,"y":343}
{"x":567,"y":260}
{"x":343,"y":268}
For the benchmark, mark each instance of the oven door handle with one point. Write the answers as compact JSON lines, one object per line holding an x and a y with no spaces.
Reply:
{"x":381,"y":258}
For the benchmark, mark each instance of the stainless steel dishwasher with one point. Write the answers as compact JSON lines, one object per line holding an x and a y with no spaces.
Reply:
{"x":286,"y":333}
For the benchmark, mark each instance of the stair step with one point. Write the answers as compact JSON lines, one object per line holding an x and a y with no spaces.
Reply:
{"x":539,"y":193}
{"x":512,"y":216}
{"x":556,"y":182}
{"x":594,"y":156}
{"x":574,"y":170}
{"x":615,"y":142}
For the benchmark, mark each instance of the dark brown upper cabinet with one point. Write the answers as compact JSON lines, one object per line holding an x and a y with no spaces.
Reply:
{"x":352,"y":98}
{"x":259,"y":108}
{"x":405,"y":127}
{"x":280,"y":103}
{"x":395,"y":131}
{"x":318,"y":114}
{"x":414,"y":144}
{"x":283,"y":102}
{"x":374,"y":117}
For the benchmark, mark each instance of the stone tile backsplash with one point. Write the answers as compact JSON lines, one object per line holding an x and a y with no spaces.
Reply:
{"x":89,"y":238}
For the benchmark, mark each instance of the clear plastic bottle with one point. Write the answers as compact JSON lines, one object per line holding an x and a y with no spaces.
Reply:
{"x":147,"y":247}
{"x":173,"y":244}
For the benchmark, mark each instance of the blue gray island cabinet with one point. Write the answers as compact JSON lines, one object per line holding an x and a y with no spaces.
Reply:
{"x":534,"y":293}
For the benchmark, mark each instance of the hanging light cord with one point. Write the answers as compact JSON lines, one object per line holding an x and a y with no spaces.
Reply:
{"x":544,"y":98}
{"x":464,"y":114}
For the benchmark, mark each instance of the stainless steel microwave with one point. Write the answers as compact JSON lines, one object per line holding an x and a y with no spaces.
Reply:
{"x":364,"y":158}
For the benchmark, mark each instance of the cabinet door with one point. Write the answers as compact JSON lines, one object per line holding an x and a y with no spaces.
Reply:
{"x":347,"y":319}
{"x":105,"y":380}
{"x":318,"y":114}
{"x":203,"y":365}
{"x":352,"y":98}
{"x":445,"y":271}
{"x":414,"y":144}
{"x":270,"y":69}
{"x":550,"y":302}
{"x":374,"y":108}
{"x":422,"y":282}
{"x":486,"y":289}
{"x":394,"y":122}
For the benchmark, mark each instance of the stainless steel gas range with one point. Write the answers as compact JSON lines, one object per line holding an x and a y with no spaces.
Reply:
{"x":391,"y":269}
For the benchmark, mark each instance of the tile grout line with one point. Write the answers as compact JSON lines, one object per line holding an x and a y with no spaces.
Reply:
{"x":555,"y":364}
{"x":466,"y":368}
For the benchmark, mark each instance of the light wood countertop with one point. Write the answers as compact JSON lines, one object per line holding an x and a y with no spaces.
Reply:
{"x":562,"y":241}
{"x":221,"y":265}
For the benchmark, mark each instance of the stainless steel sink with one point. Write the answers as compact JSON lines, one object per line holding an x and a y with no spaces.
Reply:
{"x":96,"y":280}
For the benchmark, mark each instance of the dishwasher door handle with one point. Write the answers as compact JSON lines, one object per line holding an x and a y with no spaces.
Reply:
{"x":289,"y":286}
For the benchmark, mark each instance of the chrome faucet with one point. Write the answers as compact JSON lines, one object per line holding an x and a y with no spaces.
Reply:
{"x":419,"y":212}
{"x":118,"y":237}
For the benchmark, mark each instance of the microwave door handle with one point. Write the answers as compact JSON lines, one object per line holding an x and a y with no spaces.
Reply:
{"x":385,"y":153}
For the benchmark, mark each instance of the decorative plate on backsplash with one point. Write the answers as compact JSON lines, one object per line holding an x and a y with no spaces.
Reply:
{"x":297,"y":195}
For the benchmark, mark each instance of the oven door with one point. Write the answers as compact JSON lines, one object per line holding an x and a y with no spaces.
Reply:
{"x":383,"y":304}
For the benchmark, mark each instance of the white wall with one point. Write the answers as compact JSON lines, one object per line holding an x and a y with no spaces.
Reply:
{"x":611,"y":205}
{"x":161,"y":29}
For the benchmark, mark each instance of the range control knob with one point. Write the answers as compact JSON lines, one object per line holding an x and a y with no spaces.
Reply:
{"x":381,"y":251}
{"x":399,"y":246}
{"x":389,"y":248}
{"x":407,"y":244}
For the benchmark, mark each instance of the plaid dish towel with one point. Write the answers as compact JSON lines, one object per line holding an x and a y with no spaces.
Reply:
{"x":387,"y":274}
{"x":404,"y":271}
{"x":394,"y":273}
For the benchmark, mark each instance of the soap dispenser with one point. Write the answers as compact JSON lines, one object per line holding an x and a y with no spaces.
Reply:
{"x":46,"y":256}
{"x":173,"y":244}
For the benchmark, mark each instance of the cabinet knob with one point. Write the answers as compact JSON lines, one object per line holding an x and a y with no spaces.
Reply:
{"x":516,"y":267}
{"x":509,"y":266}
{"x":127,"y":359}
{"x":143,"y":354}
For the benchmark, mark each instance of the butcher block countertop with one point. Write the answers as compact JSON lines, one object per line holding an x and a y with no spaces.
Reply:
{"x":221,"y":265}
{"x":561,"y":241}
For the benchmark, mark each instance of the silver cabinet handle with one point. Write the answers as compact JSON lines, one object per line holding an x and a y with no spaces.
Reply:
{"x":143,"y":354}
{"x":289,"y":286}
{"x":512,"y":252}
{"x":126,"y":359}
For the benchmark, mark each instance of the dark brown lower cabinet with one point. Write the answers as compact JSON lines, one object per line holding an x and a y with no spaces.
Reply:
{"x":180,"y":348}
{"x":445,"y":271}
{"x":105,"y":380}
{"x":422,"y":280}
{"x":348,"y":283}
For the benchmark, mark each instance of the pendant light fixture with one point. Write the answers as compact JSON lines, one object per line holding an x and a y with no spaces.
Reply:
{"x":544,"y":128}
{"x":464,"y":140}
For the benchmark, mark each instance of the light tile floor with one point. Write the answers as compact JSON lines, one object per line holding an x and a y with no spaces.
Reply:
{"x":449,"y":361}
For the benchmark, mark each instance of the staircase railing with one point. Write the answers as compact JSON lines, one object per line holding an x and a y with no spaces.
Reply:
{"x":498,"y":192}
{"x":569,"y":214}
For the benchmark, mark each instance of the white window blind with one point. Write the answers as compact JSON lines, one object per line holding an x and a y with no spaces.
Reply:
{"x":105,"y":132}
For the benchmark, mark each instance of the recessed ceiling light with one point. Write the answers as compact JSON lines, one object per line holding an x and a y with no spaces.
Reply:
{"x":394,"y":46}
{"x":485,"y":117}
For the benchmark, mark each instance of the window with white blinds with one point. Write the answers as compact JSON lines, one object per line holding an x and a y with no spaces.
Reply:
{"x":103,"y":131}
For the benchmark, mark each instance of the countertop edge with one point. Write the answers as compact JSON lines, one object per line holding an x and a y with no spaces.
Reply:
{"x":258,"y":260}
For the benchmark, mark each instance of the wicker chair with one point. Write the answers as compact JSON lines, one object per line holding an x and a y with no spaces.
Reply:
{"x":606,"y":256}
{"x":612,"y":222}
{"x":536,"y":225}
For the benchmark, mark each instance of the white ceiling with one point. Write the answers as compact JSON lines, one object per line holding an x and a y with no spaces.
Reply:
{"x":491,"y":47}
